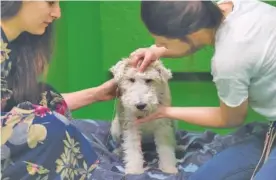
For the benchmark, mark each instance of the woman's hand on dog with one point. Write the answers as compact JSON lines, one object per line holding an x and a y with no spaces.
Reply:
{"x":143,"y":57}
{"x":158,"y":114}
{"x":107,"y":91}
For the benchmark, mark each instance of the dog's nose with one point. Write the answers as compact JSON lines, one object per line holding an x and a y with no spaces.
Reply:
{"x":141,"y":106}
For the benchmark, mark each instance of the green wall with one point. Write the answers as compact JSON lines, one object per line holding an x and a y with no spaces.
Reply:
{"x":92,"y":36}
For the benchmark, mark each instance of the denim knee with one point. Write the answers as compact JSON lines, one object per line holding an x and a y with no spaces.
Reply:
{"x":267,"y":170}
{"x":235,"y":163}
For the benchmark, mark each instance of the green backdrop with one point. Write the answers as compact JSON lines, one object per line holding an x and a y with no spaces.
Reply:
{"x":91,"y":36}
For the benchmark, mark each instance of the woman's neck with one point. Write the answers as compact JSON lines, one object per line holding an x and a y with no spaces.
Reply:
{"x":226,"y":8}
{"x":11,"y":29}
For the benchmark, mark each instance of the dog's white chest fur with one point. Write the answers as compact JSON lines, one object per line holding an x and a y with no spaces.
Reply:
{"x":141,"y":94}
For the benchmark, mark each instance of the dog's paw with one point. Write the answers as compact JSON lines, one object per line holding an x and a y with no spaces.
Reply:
{"x":134,"y":171}
{"x":169,"y":169}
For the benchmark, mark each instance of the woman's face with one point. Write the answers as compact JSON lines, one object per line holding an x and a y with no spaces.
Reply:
{"x":35,"y":16}
{"x":178,"y":47}
{"x":189,"y":45}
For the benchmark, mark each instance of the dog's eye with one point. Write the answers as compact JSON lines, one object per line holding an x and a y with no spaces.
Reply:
{"x":132,"y":80}
{"x":148,"y":80}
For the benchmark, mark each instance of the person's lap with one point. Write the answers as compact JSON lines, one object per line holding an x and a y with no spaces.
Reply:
{"x":42,"y":144}
{"x":238,"y":163}
{"x":268,"y":170}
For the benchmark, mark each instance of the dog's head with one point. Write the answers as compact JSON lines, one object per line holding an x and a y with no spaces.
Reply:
{"x":141,"y":92}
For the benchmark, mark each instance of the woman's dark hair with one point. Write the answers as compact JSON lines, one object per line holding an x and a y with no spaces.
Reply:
{"x":32,"y":55}
{"x":176,"y":19}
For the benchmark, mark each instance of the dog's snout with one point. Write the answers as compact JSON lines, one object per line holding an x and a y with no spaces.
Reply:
{"x":141,"y":106}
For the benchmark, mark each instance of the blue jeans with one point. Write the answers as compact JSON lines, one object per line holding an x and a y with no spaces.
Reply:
{"x":238,"y":163}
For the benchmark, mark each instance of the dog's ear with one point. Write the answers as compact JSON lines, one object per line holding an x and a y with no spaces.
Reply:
{"x":118,"y":69}
{"x":165,"y":73}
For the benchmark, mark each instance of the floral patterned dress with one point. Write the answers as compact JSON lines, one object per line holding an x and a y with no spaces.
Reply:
{"x":39,"y":141}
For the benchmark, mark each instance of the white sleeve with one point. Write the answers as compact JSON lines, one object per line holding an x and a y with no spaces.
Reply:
{"x":232,"y":70}
{"x":232,"y":91}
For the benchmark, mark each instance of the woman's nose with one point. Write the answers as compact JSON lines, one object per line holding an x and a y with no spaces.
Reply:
{"x":56,"y":13}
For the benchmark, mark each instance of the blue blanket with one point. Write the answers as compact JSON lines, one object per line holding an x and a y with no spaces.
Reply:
{"x":44,"y":145}
{"x":194,"y":149}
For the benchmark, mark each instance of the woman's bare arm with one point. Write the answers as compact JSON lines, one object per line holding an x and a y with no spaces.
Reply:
{"x":214,"y":117}
{"x":79,"y":99}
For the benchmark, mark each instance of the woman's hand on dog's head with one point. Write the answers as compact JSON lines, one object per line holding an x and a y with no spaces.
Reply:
{"x":143,"y":57}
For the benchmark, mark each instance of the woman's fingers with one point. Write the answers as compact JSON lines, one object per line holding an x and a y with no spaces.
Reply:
{"x":134,"y":61}
{"x":137,"y":56}
{"x":134,"y":53}
{"x":148,"y":58}
{"x":142,"y":58}
{"x":148,"y":118}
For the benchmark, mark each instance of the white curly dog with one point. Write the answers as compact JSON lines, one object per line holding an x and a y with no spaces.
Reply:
{"x":141,"y":93}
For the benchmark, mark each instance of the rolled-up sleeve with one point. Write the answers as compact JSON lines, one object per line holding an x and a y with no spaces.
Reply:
{"x":232,"y":69}
{"x":232,"y":91}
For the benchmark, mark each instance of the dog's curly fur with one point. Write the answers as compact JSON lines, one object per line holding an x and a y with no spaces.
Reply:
{"x":141,"y":94}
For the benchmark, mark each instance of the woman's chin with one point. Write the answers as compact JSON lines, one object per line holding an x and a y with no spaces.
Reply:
{"x":39,"y":31}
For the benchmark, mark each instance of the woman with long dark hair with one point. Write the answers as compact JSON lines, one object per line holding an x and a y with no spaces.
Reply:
{"x":38,"y":138}
{"x":243,"y":34}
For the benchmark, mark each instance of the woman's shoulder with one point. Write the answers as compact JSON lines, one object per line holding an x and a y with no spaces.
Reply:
{"x":250,"y":21}
{"x":53,"y":99}
{"x":49,"y":98}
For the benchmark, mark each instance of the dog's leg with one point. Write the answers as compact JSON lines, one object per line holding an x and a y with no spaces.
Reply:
{"x":133,"y":156}
{"x":115,"y":129}
{"x":165,"y":145}
{"x":115,"y":132}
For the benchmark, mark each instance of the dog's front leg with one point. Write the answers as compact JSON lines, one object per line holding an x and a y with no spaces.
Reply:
{"x":115,"y":131}
{"x":165,"y":145}
{"x":133,"y":156}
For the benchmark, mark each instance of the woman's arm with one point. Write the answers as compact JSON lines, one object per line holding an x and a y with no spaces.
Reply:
{"x":79,"y":99}
{"x":215,"y":117}
{"x":76,"y":100}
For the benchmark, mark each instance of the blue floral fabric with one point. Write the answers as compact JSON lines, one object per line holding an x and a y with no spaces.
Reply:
{"x":42,"y":144}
